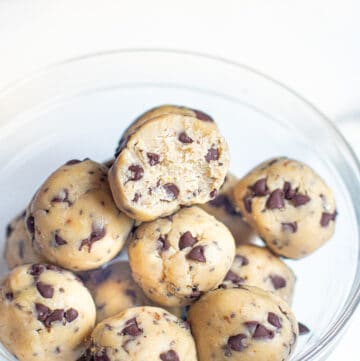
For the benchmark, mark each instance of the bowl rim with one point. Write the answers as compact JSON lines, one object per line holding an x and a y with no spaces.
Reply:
{"x":353,"y":298}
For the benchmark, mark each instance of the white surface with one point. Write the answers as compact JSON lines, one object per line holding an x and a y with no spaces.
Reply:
{"x":312,"y":46}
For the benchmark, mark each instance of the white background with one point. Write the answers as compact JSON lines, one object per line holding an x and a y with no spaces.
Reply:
{"x":313,"y":46}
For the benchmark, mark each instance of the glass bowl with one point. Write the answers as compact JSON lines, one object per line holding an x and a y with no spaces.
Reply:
{"x":80,"y":107}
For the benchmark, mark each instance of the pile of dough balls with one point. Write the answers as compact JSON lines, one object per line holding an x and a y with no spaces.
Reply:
{"x":154,"y":254}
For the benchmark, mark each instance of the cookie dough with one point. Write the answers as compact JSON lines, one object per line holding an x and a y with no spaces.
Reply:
{"x":156,"y":112}
{"x":257,"y":266}
{"x":46,"y":313}
{"x":143,"y":333}
{"x":176,"y":259}
{"x":19,"y":249}
{"x":169,"y":161}
{"x":223,"y":209}
{"x":114,"y":290}
{"x":73,"y":219}
{"x":243,"y":324}
{"x":289,"y":206}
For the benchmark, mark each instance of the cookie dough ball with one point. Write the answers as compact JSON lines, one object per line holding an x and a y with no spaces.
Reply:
{"x":73,"y":219}
{"x":143,"y":333}
{"x":170,"y":161}
{"x":114,"y":290}
{"x":223,"y":209}
{"x":289,"y":206}
{"x":257,"y":266}
{"x":243,"y":324}
{"x":19,"y":249}
{"x":156,"y":112}
{"x":46,"y":313}
{"x":176,"y":259}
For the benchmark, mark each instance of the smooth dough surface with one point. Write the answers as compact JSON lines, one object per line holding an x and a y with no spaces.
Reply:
{"x":74,"y":220}
{"x":46,"y":313}
{"x":143,"y":333}
{"x":176,"y":259}
{"x":243,"y":324}
{"x":289,"y":206}
{"x":19,"y":249}
{"x":169,"y":161}
{"x":222,"y":208}
{"x":257,"y":266}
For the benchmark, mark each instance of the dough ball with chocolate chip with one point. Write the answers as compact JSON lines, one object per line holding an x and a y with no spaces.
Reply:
{"x":175,"y":259}
{"x":222,"y":208}
{"x":169,"y":161}
{"x":73,"y":219}
{"x":289,"y":206}
{"x":114,"y":290}
{"x":46,"y":313}
{"x":243,"y":324}
{"x":143,"y":333}
{"x":19,"y":249}
{"x":257,"y":266}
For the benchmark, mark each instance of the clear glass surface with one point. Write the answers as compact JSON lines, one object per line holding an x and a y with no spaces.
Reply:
{"x":80,"y":107}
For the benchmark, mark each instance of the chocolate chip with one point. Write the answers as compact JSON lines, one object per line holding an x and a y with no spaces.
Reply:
{"x":98,"y":276}
{"x":164,"y":243}
{"x":278,"y":281}
{"x":42,"y":311}
{"x":71,"y":314}
{"x":202,"y":116}
{"x":274,"y":320}
{"x":236,"y":342}
{"x":131,"y":294}
{"x":300,"y":199}
{"x":326,"y":218}
{"x":242,"y":259}
{"x":137,"y":196}
{"x":36,"y":269}
{"x":213,"y":193}
{"x":9,"y":296}
{"x":101,"y":356}
{"x":30,"y":224}
{"x":73,"y":161}
{"x":98,"y":232}
{"x":9,"y":230}
{"x":212,"y":154}
{"x":56,"y":315}
{"x":153,"y":158}
{"x":59,"y":240}
{"x":233,"y":277}
{"x":62,"y":197}
{"x":303,"y":330}
{"x":276,"y":200}
{"x":137,"y":172}
{"x":288,"y":191}
{"x":259,"y":188}
{"x":132,"y":328}
{"x":172,"y":190}
{"x":223,"y":201}
{"x":47,"y":291}
{"x":187,"y":240}
{"x":261,"y":332}
{"x":248,"y":203}
{"x":184,"y":138}
{"x":197,"y":254}
{"x":290,"y":227}
{"x":170,"y":355}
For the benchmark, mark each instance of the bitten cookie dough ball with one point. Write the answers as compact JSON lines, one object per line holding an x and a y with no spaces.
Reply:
{"x":289,"y":205}
{"x":46,"y":313}
{"x":73,"y":219}
{"x":257,"y":266}
{"x":170,"y":161}
{"x":223,"y":209}
{"x":143,"y":333}
{"x":114,"y":290}
{"x":176,"y":259}
{"x":243,"y":324}
{"x":19,"y":249}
